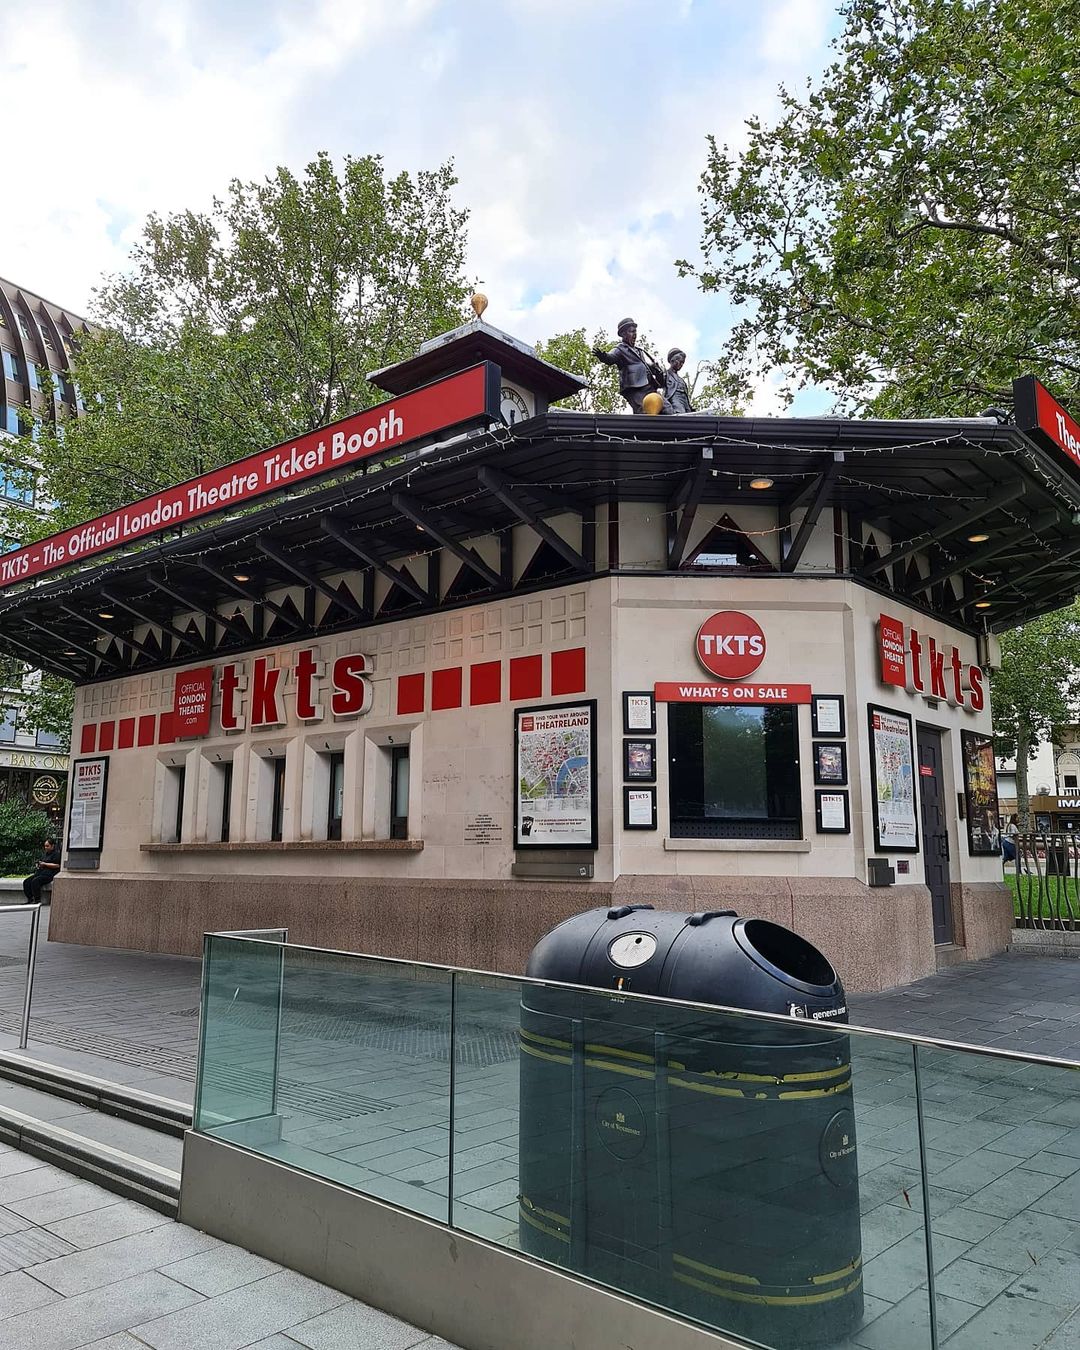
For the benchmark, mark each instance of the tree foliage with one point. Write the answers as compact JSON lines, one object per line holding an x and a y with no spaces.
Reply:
{"x":1036,"y":689}
{"x":22,"y":833}
{"x":907,"y":230}
{"x":253,"y":323}
{"x":711,"y":387}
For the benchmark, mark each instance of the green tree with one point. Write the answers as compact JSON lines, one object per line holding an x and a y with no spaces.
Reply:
{"x":22,"y":831}
{"x":240,"y":328}
{"x":252,"y":323}
{"x":711,"y":387}
{"x":1036,"y":688}
{"x":907,"y":230}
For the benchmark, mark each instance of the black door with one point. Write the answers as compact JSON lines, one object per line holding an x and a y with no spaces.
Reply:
{"x":935,"y":832}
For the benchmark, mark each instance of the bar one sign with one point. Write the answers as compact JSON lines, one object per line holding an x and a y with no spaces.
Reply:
{"x":438,"y":406}
{"x":258,"y":700}
{"x":911,"y":660}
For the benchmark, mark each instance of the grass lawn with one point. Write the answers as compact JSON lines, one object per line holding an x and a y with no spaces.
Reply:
{"x":1052,"y":892}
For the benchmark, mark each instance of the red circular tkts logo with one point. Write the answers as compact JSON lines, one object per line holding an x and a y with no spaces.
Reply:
{"x":730,"y":644}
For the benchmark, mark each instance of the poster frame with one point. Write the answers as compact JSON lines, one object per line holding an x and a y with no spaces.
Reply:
{"x":815,"y":705}
{"x":969,"y":737}
{"x":636,"y":787}
{"x":819,"y":778}
{"x":84,"y":848}
{"x":528,"y":844}
{"x":650,"y":729}
{"x":890,"y":847}
{"x":832,"y":792}
{"x":636,"y":776}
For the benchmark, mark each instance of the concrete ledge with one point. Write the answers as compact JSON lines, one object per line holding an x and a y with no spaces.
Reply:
{"x":293,"y":846}
{"x":1046,"y":942}
{"x":471,"y":1292}
{"x":737,"y":845}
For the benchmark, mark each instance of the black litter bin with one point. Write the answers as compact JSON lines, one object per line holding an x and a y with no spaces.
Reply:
{"x":704,"y":1161}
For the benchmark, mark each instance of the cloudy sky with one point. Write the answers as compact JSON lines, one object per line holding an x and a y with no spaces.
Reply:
{"x":577,"y":126}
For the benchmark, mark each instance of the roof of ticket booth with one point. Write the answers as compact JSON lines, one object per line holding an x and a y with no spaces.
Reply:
{"x":909,"y":486}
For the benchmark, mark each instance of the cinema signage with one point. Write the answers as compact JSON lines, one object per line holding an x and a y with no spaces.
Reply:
{"x":1037,"y":410}
{"x":910,"y":660}
{"x":469,"y":395}
{"x":256,"y":699}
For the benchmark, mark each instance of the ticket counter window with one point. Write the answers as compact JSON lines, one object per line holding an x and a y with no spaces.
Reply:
{"x":335,"y":808}
{"x":734,"y":772}
{"x":277,"y":808}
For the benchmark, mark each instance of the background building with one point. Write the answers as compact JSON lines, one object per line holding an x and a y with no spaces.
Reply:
{"x":36,"y":342}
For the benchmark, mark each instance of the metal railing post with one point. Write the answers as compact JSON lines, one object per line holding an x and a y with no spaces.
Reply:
{"x":31,"y":961}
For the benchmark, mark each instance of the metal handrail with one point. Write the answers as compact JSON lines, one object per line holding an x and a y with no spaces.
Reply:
{"x":31,"y":961}
{"x":629,"y":996}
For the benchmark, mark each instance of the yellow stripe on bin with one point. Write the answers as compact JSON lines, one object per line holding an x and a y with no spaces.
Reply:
{"x":543,"y":1054}
{"x":810,"y":1077}
{"x":770,"y":1300}
{"x":732,"y":1275}
{"x":544,"y":1227}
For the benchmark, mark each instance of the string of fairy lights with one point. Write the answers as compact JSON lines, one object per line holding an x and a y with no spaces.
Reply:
{"x":399,"y":477}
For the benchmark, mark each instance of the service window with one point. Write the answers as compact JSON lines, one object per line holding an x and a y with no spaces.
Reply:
{"x":734,"y":771}
{"x":335,"y":807}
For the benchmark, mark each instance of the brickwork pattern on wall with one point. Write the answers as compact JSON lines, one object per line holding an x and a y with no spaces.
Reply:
{"x":425,"y":666}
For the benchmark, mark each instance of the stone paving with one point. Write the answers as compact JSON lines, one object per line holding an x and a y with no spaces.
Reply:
{"x":363,"y":1082}
{"x":80,"y":1268}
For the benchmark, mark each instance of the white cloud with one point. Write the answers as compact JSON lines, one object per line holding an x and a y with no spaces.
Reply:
{"x":578,"y":131}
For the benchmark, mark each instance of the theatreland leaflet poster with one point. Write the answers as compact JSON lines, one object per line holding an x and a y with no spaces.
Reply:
{"x":86,"y":822}
{"x":555,"y":776}
{"x":892,"y":762}
{"x":980,"y":788}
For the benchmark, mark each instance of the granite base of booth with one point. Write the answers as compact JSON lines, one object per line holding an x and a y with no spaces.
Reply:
{"x":876,"y":938}
{"x":443,"y":1280}
{"x":983,"y":917}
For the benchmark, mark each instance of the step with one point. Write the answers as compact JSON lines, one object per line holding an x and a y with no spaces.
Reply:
{"x":950,"y":954}
{"x":132,"y":1160}
{"x":97,"y":1094}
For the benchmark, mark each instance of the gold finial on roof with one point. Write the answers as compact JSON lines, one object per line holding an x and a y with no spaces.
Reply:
{"x":479,"y":303}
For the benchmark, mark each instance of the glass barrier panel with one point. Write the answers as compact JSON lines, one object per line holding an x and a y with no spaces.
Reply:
{"x":238,"y":1047}
{"x":1003,"y":1158}
{"x":364,"y":1076}
{"x":760,"y":1177}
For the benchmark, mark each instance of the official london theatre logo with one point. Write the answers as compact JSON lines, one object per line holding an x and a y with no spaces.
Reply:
{"x":730,"y":644}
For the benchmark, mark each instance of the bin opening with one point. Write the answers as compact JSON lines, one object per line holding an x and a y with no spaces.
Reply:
{"x":789,"y":953}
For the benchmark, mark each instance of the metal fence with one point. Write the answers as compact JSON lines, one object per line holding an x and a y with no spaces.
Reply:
{"x":1046,"y":869}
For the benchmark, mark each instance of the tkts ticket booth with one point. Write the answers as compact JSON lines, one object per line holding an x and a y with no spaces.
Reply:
{"x":467,"y":663}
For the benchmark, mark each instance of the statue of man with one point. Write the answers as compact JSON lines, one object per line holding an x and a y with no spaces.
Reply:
{"x":676,"y":390}
{"x":638,"y":372}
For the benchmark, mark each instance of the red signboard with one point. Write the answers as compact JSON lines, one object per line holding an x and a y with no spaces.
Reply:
{"x":730,"y":644}
{"x":1037,"y":410}
{"x":191,"y":702}
{"x":892,"y":648}
{"x":380,"y":430}
{"x":669,"y":692}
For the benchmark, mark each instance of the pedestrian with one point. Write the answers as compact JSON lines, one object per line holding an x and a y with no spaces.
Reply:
{"x":1010,"y":846}
{"x":45,"y":870}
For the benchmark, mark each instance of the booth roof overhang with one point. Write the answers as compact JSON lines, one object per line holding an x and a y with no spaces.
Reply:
{"x":924,"y":486}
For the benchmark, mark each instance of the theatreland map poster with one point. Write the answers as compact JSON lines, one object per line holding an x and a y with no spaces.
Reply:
{"x":892,"y":761}
{"x":555,"y":776}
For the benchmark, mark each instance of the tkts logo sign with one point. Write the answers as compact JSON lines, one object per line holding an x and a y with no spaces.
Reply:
{"x":259,"y":700}
{"x":911,"y":660}
{"x":730,"y":644}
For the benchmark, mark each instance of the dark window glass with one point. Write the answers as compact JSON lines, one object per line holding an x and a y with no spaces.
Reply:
{"x":734,"y":772}
{"x":25,"y":327}
{"x":7,"y":727}
{"x":17,"y":485}
{"x":12,"y":369}
{"x":11,"y":421}
{"x":1070,"y":780}
{"x":47,"y":740}
{"x":399,"y":792}
{"x":226,"y":800}
{"x":336,"y":804}
{"x":277,"y":810}
{"x":178,"y":824}
{"x":35,"y":379}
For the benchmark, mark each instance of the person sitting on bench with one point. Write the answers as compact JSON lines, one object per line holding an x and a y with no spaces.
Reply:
{"x":46,"y":869}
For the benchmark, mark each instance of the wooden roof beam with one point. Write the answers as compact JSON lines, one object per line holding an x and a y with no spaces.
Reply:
{"x":249,"y":593}
{"x":143,"y":617}
{"x":822,"y":493}
{"x":502,"y":487}
{"x":97,"y":656}
{"x":414,"y":512}
{"x":690,"y":491}
{"x":990,"y":551}
{"x":227,"y":624}
{"x":398,"y":575}
{"x":93,"y":622}
{"x":995,"y":502}
{"x":309,"y":578}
